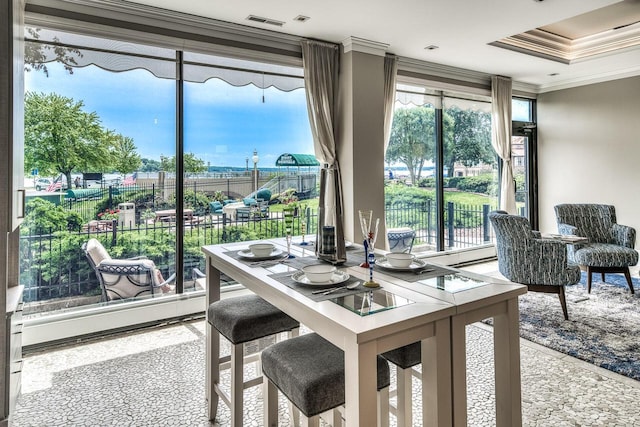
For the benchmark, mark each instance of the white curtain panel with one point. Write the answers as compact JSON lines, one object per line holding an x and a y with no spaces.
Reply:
{"x":390,"y":73}
{"x":321,"y":63}
{"x":501,"y":138}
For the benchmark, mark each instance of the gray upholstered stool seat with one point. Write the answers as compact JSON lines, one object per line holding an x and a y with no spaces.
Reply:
{"x":247,"y":318}
{"x":309,"y":371}
{"x":404,"y":358}
{"x":241,"y":320}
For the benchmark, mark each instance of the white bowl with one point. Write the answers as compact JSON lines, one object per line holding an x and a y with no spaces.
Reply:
{"x":400,"y":260}
{"x":318,"y":273}
{"x":261,"y":249}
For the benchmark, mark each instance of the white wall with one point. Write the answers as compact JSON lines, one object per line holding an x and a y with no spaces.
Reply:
{"x":589,"y":149}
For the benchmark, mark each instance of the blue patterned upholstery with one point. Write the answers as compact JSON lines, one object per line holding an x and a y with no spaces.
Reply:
{"x":610,"y":248}
{"x":524,"y":257}
{"x":610,"y":244}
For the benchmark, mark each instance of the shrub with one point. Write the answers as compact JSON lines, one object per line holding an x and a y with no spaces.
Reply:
{"x":196,"y":200}
{"x":476,"y":184}
{"x":43,"y":217}
{"x":53,"y":263}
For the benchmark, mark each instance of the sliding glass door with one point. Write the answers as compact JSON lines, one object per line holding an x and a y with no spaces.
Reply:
{"x":442,"y":175}
{"x":100,"y":124}
{"x":153,"y":153}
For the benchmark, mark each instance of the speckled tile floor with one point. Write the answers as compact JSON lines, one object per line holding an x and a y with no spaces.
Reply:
{"x":155,"y":377}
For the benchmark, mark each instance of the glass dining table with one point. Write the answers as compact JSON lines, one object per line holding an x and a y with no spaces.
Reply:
{"x":429,"y":303}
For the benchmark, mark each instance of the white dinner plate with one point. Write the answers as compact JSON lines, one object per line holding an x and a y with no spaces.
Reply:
{"x":338,"y":277}
{"x":246,"y":253}
{"x":416,"y":264}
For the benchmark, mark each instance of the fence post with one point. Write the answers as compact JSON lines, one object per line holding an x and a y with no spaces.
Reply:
{"x":450,"y":221}
{"x":429,"y":221}
{"x":114,"y":232}
{"x":110,"y":202}
{"x":224,"y":227}
{"x":485,"y":222}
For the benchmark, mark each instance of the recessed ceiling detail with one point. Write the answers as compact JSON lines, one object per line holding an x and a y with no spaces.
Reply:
{"x":599,"y":32}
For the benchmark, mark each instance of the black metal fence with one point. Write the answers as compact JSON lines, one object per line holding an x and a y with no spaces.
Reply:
{"x":54,"y":266}
{"x":465,"y":225}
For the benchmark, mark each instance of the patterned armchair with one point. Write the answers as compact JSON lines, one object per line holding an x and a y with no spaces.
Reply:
{"x":610,"y":246}
{"x":524,"y":257}
{"x":125,"y":278}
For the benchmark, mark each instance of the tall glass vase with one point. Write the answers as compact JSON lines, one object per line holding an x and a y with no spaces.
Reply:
{"x":330,"y":245}
{"x":289,"y":214}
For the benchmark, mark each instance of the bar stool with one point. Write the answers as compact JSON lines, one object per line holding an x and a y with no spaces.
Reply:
{"x":404,"y":358}
{"x":241,"y":320}
{"x":309,"y":371}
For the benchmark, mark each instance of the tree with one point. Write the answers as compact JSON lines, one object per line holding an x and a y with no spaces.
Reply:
{"x":125,"y":158}
{"x":60,"y":137}
{"x":469,"y":141}
{"x":412,"y":139}
{"x":150,"y":165}
{"x":37,"y":53}
{"x":191,"y":164}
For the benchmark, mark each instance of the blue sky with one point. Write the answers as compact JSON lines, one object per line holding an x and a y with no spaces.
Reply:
{"x":223,"y":123}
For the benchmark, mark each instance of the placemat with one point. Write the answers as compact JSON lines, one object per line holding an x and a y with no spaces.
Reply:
{"x":427,"y":272}
{"x":306,"y":290}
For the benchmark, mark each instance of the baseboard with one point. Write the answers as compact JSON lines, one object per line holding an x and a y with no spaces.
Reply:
{"x":463,"y":256}
{"x":61,"y":327}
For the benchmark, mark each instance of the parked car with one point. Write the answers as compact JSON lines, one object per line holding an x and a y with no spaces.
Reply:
{"x":42,"y":183}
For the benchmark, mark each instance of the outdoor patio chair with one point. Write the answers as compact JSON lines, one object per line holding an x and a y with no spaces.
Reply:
{"x":610,"y":246}
{"x":125,"y":278}
{"x":264,"y":194}
{"x":215,"y":208}
{"x":524,"y":257}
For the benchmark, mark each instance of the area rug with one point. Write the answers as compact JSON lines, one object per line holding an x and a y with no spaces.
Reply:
{"x":603,"y":327}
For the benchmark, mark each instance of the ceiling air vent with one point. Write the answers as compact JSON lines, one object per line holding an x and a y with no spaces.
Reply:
{"x":262,"y":20}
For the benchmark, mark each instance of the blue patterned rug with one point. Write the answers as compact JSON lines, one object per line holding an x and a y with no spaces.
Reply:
{"x":603,"y":327}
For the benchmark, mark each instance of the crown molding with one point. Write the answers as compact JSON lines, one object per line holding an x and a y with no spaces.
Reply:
{"x":444,"y":71}
{"x":357,"y":44}
{"x":551,"y":46}
{"x":584,"y":81}
{"x":162,"y":21}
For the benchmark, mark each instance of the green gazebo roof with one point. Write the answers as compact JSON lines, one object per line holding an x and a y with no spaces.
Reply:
{"x":287,"y":159}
